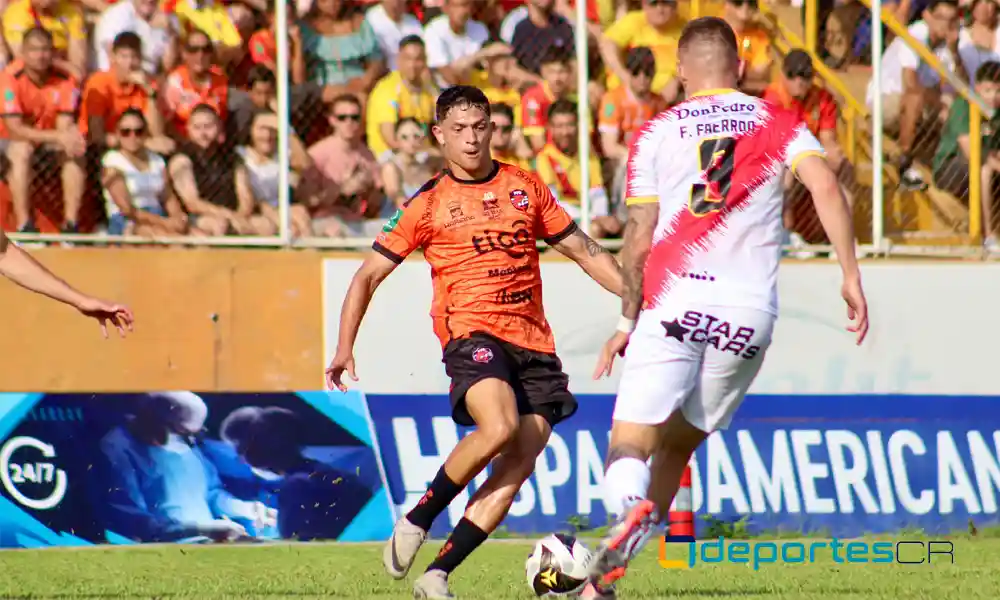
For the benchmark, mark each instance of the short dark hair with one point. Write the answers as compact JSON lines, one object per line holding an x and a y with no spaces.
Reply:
{"x":411,"y":121}
{"x":37,"y":32}
{"x":260,"y":74}
{"x":502,"y":109}
{"x":133,"y":112}
{"x":933,"y":4}
{"x":640,"y":60}
{"x":554,"y":55}
{"x":204,"y":108}
{"x":194,"y":32}
{"x":345,"y":99}
{"x":988,"y":72}
{"x":562,"y":107}
{"x":708,"y":29}
{"x":461,"y":96}
{"x":411,"y":40}
{"x":127,"y":40}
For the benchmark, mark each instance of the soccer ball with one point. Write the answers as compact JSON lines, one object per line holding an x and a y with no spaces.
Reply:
{"x":558,"y":566}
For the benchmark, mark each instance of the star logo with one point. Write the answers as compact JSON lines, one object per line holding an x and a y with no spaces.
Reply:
{"x":549,"y":577}
{"x":675,"y":330}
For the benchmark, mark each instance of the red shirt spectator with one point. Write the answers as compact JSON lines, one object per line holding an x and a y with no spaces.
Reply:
{"x":796,"y":92}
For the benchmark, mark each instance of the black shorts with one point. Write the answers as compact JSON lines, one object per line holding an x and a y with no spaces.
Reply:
{"x":540,"y":386}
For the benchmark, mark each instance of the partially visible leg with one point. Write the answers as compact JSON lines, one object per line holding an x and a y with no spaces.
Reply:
{"x":18,"y":180}
{"x":74,"y":178}
{"x":481,"y":396}
{"x":489,"y":505}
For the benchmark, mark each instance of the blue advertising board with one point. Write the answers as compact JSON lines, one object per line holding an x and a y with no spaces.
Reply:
{"x":846,"y":465}
{"x":80,"y":469}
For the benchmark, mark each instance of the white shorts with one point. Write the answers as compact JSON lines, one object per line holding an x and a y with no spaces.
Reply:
{"x":697,"y":358}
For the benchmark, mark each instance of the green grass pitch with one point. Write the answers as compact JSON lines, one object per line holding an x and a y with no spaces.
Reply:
{"x":306,"y":571}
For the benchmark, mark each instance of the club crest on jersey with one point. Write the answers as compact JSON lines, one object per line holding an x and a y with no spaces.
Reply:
{"x":482,"y":355}
{"x":519,"y":198}
{"x":491,"y":206}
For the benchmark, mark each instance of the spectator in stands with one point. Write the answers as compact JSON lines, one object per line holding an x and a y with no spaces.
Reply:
{"x":61,"y":18}
{"x":500,"y":79}
{"x":754,"y":44}
{"x":979,"y":42}
{"x":951,"y":161}
{"x":657,"y":27}
{"x":261,"y":94}
{"x":138,"y":196}
{"x":391,"y":24}
{"x":211,"y":181}
{"x":910,"y":88}
{"x":198,"y":81}
{"x":506,"y":142}
{"x":624,"y":110}
{"x":260,"y":156}
{"x":213,"y":19}
{"x":411,"y":165}
{"x":108,"y":94}
{"x":264,"y":49}
{"x":555,"y":85}
{"x":541,"y":32}
{"x":346,"y":183}
{"x":456,"y":44}
{"x":38,"y":105}
{"x":341,"y":48}
{"x":560,"y":168}
{"x":404,"y":93}
{"x":149,"y":23}
{"x":795,"y":91}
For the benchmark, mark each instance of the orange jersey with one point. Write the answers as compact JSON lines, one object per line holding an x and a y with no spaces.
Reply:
{"x":624,"y":114}
{"x":39,"y":106}
{"x":479,"y":238}
{"x":182,"y":95}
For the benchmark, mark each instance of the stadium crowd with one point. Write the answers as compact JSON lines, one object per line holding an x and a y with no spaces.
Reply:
{"x":159,"y":118}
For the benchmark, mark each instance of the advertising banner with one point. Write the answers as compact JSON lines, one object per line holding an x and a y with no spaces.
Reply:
{"x":921,"y":314}
{"x":80,"y":469}
{"x":845,"y":465}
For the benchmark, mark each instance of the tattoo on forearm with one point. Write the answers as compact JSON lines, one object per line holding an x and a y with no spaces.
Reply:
{"x":593,"y":248}
{"x":638,"y":239}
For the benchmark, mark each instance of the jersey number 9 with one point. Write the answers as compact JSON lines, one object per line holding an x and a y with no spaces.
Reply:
{"x":715,"y":159}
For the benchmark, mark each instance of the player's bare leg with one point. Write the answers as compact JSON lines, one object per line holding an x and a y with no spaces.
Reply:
{"x":678,"y":441}
{"x":492,"y":405}
{"x":488,"y":506}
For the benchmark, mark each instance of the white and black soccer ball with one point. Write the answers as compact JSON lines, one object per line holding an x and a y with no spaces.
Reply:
{"x":558,"y":566}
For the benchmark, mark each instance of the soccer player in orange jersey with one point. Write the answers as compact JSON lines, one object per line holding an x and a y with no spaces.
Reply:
{"x":478,"y":222}
{"x":21,"y":268}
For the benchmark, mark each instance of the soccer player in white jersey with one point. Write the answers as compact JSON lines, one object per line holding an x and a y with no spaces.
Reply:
{"x":700,"y":258}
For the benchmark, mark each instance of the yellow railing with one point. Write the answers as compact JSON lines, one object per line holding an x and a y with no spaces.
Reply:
{"x":976,"y":109}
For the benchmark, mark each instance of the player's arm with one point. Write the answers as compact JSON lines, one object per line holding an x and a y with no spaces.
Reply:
{"x":373,"y":271}
{"x":21,"y":268}
{"x":593,"y":258}
{"x":636,"y":244}
{"x":404,"y":233}
{"x":810,"y":166}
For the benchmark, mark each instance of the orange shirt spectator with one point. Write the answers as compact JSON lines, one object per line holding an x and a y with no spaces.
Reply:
{"x":556,"y":75}
{"x":40,"y":103}
{"x":182,"y":94}
{"x":817,"y":107}
{"x":195,"y":82}
{"x":626,"y":108}
{"x":105,"y":97}
{"x":753,"y":43}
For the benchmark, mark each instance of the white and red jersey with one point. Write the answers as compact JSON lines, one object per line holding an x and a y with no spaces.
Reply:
{"x":714,"y":163}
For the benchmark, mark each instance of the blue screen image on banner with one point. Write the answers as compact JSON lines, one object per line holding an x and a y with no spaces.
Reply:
{"x":845,"y":465}
{"x":80,"y":469}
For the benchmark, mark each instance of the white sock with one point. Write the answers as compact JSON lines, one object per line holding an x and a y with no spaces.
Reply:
{"x":625,"y":482}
